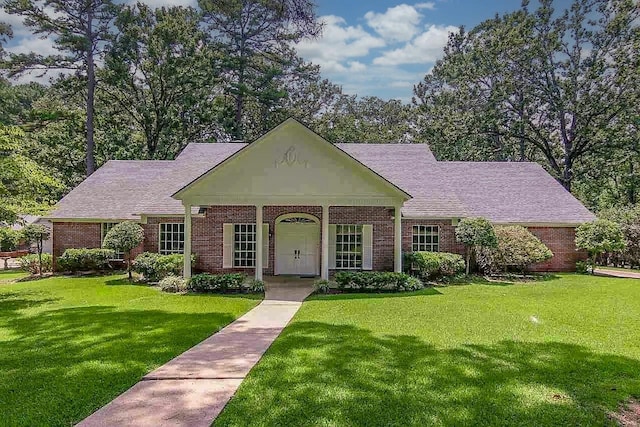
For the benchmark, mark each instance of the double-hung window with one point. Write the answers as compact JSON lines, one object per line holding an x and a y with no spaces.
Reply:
{"x":348,"y":247}
{"x":426,"y":238}
{"x":171,"y":238}
{"x":106,"y":226}
{"x":244,"y":250}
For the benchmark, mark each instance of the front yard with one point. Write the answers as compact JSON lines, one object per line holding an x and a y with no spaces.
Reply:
{"x":560,"y":352}
{"x":70,"y":345}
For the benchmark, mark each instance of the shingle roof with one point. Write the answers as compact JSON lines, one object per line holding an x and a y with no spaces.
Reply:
{"x":504,"y":192}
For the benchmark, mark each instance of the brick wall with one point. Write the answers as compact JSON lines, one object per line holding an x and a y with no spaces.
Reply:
{"x":75,"y":235}
{"x":561,"y":241}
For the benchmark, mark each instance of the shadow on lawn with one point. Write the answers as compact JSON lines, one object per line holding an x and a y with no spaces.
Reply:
{"x":321,"y":374}
{"x":78,"y":359}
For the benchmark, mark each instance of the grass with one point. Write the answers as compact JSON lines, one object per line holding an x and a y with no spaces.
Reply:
{"x":564,"y":351}
{"x":70,"y":345}
{"x":8,"y":276}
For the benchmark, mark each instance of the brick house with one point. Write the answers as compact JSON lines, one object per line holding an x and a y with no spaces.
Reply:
{"x":293,"y":203}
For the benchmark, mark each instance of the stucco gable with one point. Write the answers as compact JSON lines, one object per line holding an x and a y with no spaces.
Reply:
{"x":292,"y":164}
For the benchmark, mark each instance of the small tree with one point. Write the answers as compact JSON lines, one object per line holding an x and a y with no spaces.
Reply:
{"x":9,"y":239}
{"x":517,"y":249}
{"x":124,"y":237}
{"x":474,"y":234}
{"x":36,"y":233}
{"x":599,"y":237}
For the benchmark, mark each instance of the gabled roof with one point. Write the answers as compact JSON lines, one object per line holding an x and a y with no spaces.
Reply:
{"x":503,"y":192}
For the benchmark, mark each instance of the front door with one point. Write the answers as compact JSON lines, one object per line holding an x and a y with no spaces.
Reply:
{"x":297,"y":248}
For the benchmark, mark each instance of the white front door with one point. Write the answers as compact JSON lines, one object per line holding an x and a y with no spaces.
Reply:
{"x":297,"y":248}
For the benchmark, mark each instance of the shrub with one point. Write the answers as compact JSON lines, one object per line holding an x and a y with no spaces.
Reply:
{"x":123,"y":237}
{"x":31,"y":264}
{"x":322,"y":286}
{"x":582,"y":267}
{"x":517,"y":249}
{"x":373,"y":280}
{"x":475,"y":234}
{"x":255,"y":286}
{"x":599,"y":237}
{"x":9,"y":239}
{"x":154,"y":266}
{"x":85,"y":259}
{"x":173,"y":283}
{"x":434,"y":265}
{"x":206,"y":282}
{"x":628,"y":218}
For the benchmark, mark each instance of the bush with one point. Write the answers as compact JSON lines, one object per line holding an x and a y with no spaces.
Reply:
{"x":599,"y":237}
{"x":373,"y":281}
{"x":206,"y":282}
{"x":322,"y":286}
{"x":173,"y":283}
{"x":30,"y":263}
{"x":9,"y":239}
{"x":255,"y":286}
{"x":154,"y":266}
{"x":517,"y":249}
{"x":582,"y":267}
{"x":434,"y":265}
{"x":85,"y":260}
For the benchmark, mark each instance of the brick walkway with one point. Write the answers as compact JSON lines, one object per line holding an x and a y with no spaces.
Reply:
{"x":193,"y":388}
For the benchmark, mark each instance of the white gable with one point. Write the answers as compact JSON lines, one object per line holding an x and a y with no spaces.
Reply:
{"x":288,"y":165}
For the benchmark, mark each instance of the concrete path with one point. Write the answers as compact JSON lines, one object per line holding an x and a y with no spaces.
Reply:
{"x":193,"y":388}
{"x":616,"y":273}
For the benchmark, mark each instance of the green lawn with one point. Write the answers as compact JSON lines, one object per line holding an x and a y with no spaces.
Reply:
{"x":560,"y":352}
{"x":70,"y":345}
{"x":7,"y":276}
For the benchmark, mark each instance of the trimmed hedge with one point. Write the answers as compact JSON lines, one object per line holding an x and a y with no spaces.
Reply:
{"x":434,"y":265}
{"x":155,"y":267}
{"x":206,"y":282}
{"x":85,"y":259}
{"x":517,"y":249}
{"x":376,"y":281}
{"x":30,"y":263}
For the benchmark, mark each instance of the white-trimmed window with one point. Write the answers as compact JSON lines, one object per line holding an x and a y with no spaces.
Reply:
{"x":171,"y":239}
{"x":106,"y":226}
{"x":348,"y":247}
{"x":244,"y":250}
{"x":426,"y":238}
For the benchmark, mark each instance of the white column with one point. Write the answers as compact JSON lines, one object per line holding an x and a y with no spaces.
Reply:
{"x":397,"y":240}
{"x":258,"y":242}
{"x":324,"y":272}
{"x":187,"y":242}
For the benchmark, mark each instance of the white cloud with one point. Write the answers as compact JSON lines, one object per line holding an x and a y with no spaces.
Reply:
{"x":428,"y":5}
{"x":338,"y":43}
{"x":398,"y":23}
{"x":159,"y":3}
{"x":425,"y":48}
{"x":33,"y":44}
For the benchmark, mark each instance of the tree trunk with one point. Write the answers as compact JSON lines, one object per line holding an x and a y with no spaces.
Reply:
{"x":567,"y":174}
{"x":129,"y":267}
{"x":91,"y":88}
{"x":468,"y":253}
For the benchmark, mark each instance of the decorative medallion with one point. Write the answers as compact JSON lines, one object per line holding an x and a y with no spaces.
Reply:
{"x":290,"y":158}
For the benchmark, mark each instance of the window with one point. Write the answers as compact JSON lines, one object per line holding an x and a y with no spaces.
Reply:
{"x":426,"y":238}
{"x":106,"y":226}
{"x":348,"y":247}
{"x":171,"y":238}
{"x":244,"y":250}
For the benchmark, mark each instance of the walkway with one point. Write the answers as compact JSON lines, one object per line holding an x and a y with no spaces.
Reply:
{"x":193,"y":388}
{"x":603,"y":271}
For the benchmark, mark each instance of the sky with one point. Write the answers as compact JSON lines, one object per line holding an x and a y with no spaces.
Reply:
{"x":371,"y":48}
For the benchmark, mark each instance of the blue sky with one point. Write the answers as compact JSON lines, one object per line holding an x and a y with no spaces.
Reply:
{"x":377,"y":47}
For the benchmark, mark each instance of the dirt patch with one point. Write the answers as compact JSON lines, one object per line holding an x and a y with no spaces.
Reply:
{"x":628,"y":414}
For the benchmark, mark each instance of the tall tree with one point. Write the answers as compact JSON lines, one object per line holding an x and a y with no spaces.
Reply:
{"x":80,"y":30}
{"x":541,"y":85}
{"x":158,"y":74}
{"x":255,"y":38}
{"x":5,"y":34}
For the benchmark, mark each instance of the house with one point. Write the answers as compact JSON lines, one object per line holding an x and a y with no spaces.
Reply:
{"x":292,"y":203}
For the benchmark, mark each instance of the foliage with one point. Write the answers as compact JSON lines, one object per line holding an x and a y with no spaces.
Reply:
{"x":25,"y":187}
{"x":154,"y":266}
{"x":9,"y":239}
{"x":173,"y":283}
{"x":433,"y":265}
{"x":322,"y":286}
{"x":255,"y":286}
{"x":216,"y":283}
{"x":599,"y":237}
{"x":33,"y":265}
{"x":517,"y":249}
{"x":582,"y":267}
{"x":475,"y":234}
{"x":556,"y":87}
{"x":85,"y":259}
{"x":628,"y":219}
{"x":36,"y":233}
{"x":124,"y":237}
{"x":376,"y":281}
